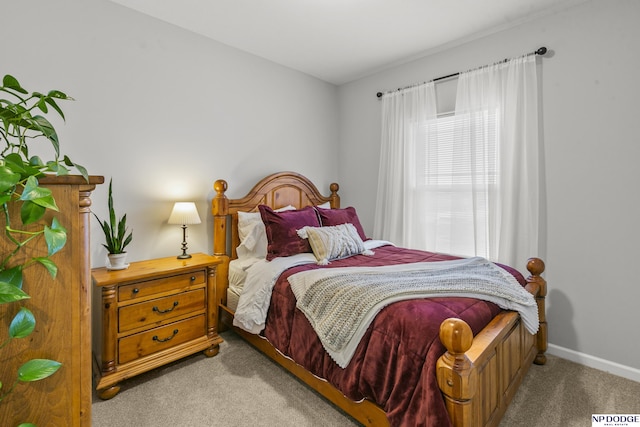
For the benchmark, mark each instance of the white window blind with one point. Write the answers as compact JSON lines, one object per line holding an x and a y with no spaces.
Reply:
{"x":457,"y":176}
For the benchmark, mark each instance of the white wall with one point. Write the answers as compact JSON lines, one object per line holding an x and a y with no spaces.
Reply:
{"x":166,"y":112}
{"x":590,"y":94}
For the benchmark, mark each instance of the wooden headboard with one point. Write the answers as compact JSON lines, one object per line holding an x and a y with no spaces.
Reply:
{"x":276,"y":191}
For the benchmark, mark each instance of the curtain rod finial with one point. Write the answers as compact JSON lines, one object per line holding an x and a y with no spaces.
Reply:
{"x":379,"y":94}
{"x":541,"y":51}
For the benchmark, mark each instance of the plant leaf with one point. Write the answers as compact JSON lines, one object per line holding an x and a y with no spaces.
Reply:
{"x":8,"y":178}
{"x":15,"y":163}
{"x":22,"y":324}
{"x":79,"y":168}
{"x":43,"y":125}
{"x":38,"y":195}
{"x":10,"y":293}
{"x":36,"y":161}
{"x":112,"y":212}
{"x":56,"y":239}
{"x":58,"y":168}
{"x":26,"y":169}
{"x":37,"y":369}
{"x":47,"y":200}
{"x":42,"y":105}
{"x":31,"y":212}
{"x":57,"y":94}
{"x":30,"y":187}
{"x":55,"y":236}
{"x":12,"y":83}
{"x":51,"y":267}
{"x":53,"y":104}
{"x":55,"y":225}
{"x":127,"y":241}
{"x":13,"y":276}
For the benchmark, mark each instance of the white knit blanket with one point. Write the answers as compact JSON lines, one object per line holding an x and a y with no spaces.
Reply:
{"x":340,"y":303}
{"x":253,"y":304}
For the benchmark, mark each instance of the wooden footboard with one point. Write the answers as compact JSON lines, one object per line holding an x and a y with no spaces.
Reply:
{"x":479,"y":375}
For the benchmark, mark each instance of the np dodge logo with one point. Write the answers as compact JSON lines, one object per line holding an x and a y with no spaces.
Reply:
{"x":615,"y":420}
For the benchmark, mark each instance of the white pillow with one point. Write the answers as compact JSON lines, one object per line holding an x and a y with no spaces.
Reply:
{"x":334,"y":242}
{"x":252,"y":234}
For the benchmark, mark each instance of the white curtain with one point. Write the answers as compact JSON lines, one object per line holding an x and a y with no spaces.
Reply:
{"x":404,"y":113}
{"x":510,"y":91}
{"x":470,"y":181}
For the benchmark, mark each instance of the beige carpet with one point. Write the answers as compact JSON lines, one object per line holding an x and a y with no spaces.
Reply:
{"x":565,"y":394}
{"x":241,"y":387}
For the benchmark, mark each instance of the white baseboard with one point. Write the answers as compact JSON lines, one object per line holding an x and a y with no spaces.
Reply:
{"x":595,"y":362}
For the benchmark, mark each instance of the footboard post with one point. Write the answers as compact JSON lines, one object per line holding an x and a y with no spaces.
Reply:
{"x":456,"y":375}
{"x":538,"y":287}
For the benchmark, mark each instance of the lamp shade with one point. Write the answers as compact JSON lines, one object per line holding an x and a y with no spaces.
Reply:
{"x":184,"y":213}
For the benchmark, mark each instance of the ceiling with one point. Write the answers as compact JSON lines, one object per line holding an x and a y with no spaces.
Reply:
{"x":342,"y":40}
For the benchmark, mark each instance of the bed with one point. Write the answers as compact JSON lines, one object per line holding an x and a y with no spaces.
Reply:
{"x":468,"y":375}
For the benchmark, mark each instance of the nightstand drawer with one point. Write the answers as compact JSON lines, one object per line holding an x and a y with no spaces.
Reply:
{"x":161,"y":309}
{"x":165,"y":284}
{"x":154,"y":340}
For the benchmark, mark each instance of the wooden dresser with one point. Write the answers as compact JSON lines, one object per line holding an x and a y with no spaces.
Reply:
{"x":150,"y":314}
{"x":62,"y":308}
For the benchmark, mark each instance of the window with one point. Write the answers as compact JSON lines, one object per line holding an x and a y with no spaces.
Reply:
{"x":456,"y":179}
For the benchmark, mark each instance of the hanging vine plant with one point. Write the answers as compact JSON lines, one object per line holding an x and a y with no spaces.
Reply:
{"x":23,"y":123}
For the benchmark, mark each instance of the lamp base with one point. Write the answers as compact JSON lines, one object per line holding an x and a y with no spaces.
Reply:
{"x":184,"y":255}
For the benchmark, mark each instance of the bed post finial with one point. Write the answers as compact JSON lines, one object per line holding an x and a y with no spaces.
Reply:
{"x":456,"y":375}
{"x":220,"y":209}
{"x":335,"y":198}
{"x":538,"y":287}
{"x":535,"y":266}
{"x":220,"y":186}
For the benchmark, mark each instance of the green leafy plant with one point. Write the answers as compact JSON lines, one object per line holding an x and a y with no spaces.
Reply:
{"x":115,"y":232}
{"x":22,"y":125}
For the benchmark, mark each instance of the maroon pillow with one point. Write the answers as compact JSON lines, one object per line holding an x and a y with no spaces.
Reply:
{"x":341,"y":216}
{"x":282,"y":227}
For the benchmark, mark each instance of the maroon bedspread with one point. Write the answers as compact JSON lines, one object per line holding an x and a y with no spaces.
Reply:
{"x":394,"y":364}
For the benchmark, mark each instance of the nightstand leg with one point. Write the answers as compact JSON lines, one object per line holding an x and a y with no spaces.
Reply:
{"x":212,"y":351}
{"x":108,"y":393}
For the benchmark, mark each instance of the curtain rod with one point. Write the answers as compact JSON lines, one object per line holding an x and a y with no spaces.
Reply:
{"x":540,"y":51}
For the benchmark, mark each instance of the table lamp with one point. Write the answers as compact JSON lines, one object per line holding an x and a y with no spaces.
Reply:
{"x":184,"y":213}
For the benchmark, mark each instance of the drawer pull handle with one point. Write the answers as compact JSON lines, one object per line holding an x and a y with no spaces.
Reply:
{"x":193,"y":278}
{"x":157,"y":310}
{"x":136,"y":290}
{"x":155,"y":337}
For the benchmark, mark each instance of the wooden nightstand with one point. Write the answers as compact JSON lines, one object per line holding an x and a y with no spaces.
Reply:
{"x":150,"y":314}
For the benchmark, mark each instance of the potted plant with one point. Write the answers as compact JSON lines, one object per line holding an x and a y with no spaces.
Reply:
{"x":116,"y":237}
{"x":23,"y":204}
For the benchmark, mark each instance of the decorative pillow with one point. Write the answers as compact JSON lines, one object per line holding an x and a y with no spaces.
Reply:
{"x":334,"y":242}
{"x":329,"y":217}
{"x":282,"y":238}
{"x":252,"y":234}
